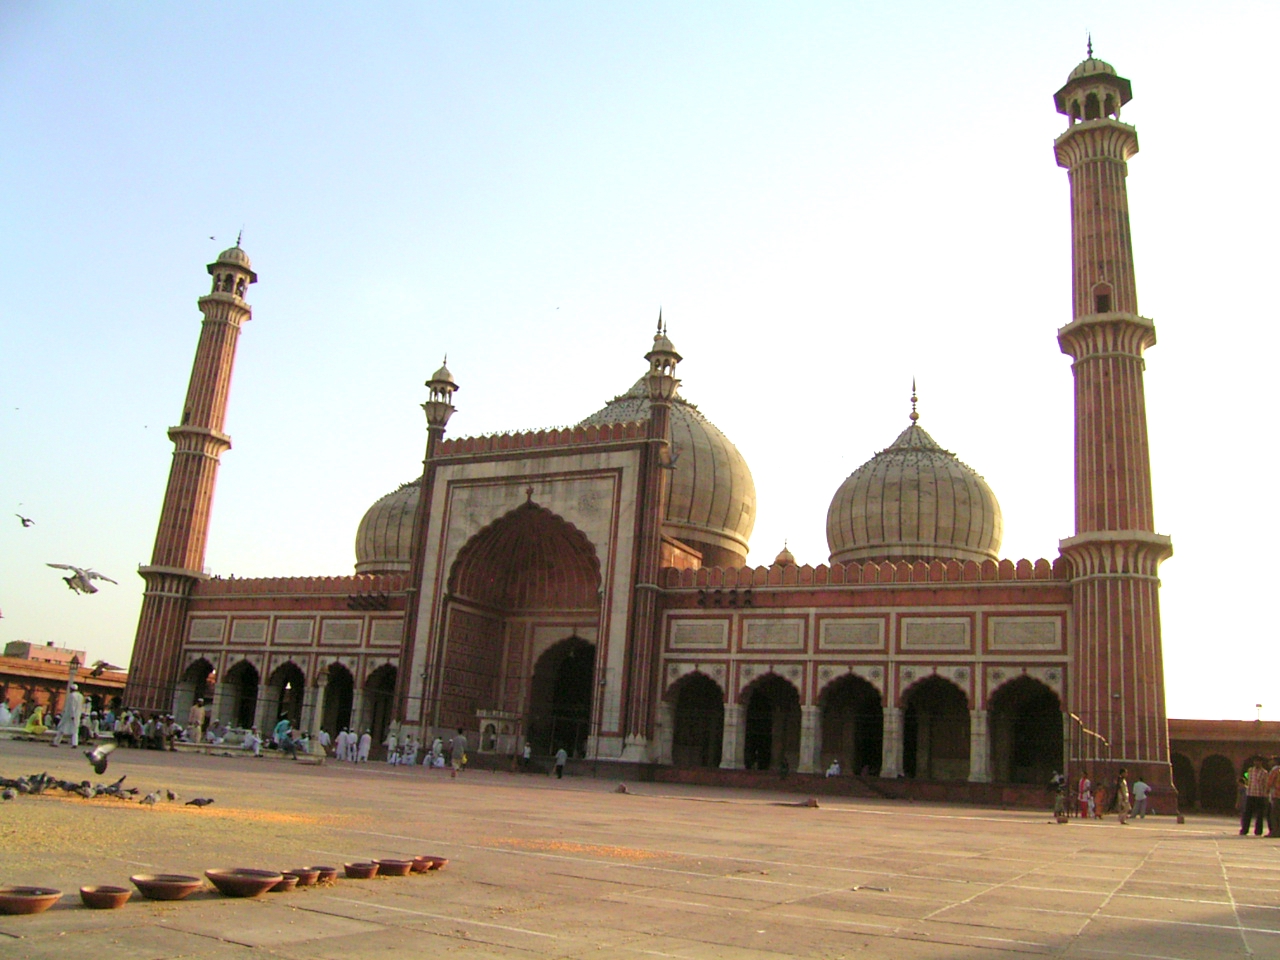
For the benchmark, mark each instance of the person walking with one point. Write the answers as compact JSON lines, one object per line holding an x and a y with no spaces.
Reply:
{"x":1141,"y":790}
{"x":196,"y":720}
{"x":366,"y":743}
{"x":1273,"y":799}
{"x":1255,"y":798}
{"x":1123,"y":806}
{"x":72,"y":713}
{"x":1084,"y":794}
{"x":562,"y":757}
{"x":458,"y":753}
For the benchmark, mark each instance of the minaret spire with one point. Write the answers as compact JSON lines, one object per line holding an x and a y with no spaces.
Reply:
{"x":1115,"y":553}
{"x":177,"y":561}
{"x":914,"y":415}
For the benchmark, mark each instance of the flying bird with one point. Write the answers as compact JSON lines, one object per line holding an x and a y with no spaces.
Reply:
{"x":98,"y":757}
{"x":81,"y":580}
{"x":199,"y":802}
{"x":99,"y":666}
{"x":26,"y":521}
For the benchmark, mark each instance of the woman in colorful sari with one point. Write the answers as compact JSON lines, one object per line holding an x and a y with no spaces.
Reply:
{"x":35,"y":723}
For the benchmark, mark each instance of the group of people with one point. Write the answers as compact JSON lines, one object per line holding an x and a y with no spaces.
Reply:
{"x":350,"y":746}
{"x":1097,"y":799}
{"x":1261,"y":797}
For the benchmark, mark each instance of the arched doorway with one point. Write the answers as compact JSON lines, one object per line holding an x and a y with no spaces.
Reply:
{"x":1025,"y":720}
{"x":339,"y":695}
{"x":379,"y":699}
{"x":852,"y":725}
{"x":528,"y":564}
{"x":773,"y":725}
{"x":698,"y":724}
{"x":1184,"y":780}
{"x":560,"y":698}
{"x":1218,"y":780}
{"x":195,"y":684}
{"x":286,"y":690}
{"x":240,"y":702}
{"x":935,"y":731}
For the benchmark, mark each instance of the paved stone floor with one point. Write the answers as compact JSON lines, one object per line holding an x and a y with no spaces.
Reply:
{"x":545,"y":868}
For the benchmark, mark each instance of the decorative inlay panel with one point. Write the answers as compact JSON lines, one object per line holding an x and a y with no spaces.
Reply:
{"x":1025,"y":633}
{"x":935,"y":633}
{"x":773,"y":634}
{"x":340,"y":631}
{"x":851,"y":635}
{"x":699,"y":634}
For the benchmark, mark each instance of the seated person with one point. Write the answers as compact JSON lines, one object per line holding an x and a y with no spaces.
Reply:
{"x":834,"y":769}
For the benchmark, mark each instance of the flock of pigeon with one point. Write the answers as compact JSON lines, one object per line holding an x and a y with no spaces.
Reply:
{"x":81,"y":579}
{"x":97,"y":757}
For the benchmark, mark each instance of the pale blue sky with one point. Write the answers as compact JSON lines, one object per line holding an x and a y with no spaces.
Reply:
{"x":826,"y":200}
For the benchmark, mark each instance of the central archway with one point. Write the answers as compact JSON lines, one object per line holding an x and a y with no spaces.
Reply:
{"x":527,"y":570}
{"x":772,"y":732}
{"x":935,"y":731}
{"x":379,"y":697}
{"x":561,"y":696}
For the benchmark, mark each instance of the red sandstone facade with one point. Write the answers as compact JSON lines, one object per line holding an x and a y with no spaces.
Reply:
{"x":586,"y":588}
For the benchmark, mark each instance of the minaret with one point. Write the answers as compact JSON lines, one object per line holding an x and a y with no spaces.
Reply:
{"x":412,"y":710}
{"x":177,"y":561}
{"x":1118,"y":687}
{"x":651,"y":510}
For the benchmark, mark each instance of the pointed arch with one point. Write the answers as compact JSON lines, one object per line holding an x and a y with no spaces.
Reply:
{"x":772,"y":734}
{"x":240,"y":699}
{"x":852,"y":724}
{"x":935,"y":730}
{"x":1025,"y":721}
{"x":561,"y":697}
{"x":698,"y":721}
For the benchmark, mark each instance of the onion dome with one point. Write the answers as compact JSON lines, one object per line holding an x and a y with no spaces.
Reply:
{"x":712,"y":501}
{"x":1089,"y":67}
{"x":385,"y":535}
{"x":914,"y":500}
{"x":785,"y":557}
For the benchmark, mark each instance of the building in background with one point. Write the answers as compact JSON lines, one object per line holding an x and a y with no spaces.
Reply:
{"x":33,"y":674}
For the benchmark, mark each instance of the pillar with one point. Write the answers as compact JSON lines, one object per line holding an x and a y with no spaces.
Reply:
{"x":810,"y":740}
{"x":891,"y":748}
{"x":664,"y":731}
{"x":979,"y":747}
{"x":735,"y":719}
{"x":313,"y":706}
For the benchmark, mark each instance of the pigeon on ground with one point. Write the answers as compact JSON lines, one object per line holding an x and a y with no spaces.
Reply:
{"x":8,"y":793}
{"x":81,"y":579}
{"x":98,"y":757}
{"x":170,"y":795}
{"x":199,"y":802}
{"x":150,"y":799}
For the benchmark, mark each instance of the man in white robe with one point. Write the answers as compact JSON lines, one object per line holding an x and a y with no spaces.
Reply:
{"x":366,"y":742}
{"x":72,"y":714}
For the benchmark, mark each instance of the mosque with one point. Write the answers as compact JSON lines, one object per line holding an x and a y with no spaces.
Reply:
{"x":587,"y":587}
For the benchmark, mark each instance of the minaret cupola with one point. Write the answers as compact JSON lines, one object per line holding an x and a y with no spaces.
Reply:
{"x":663,"y":358}
{"x":1093,"y":91}
{"x":439,"y":406}
{"x":232,"y":272}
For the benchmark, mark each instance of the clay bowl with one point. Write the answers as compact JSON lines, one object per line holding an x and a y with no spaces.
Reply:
{"x":105,"y":898}
{"x":431,"y":863}
{"x":306,"y":875}
{"x":166,"y":886}
{"x":420,"y":865}
{"x":327,"y":874}
{"x":287,"y":882}
{"x":394,"y":868}
{"x":24,"y":900}
{"x":360,"y":871}
{"x":242,"y":881}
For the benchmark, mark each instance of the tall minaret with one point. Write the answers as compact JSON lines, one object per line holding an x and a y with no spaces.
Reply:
{"x":177,"y":560}
{"x":1118,"y":687}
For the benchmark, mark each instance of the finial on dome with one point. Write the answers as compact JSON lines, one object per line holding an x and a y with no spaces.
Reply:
{"x":1089,"y":45}
{"x":659,"y":333}
{"x":238,"y":237}
{"x":914,"y":416}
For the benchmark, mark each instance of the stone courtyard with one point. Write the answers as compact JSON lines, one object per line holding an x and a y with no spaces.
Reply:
{"x":546,"y":868}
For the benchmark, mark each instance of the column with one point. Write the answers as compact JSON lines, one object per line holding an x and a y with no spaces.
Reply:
{"x":665,"y":732}
{"x":218,"y":702}
{"x":979,"y":747}
{"x":313,"y":706}
{"x":891,"y":751}
{"x":810,"y":740}
{"x":357,"y":711}
{"x":264,"y":717}
{"x":731,"y":751}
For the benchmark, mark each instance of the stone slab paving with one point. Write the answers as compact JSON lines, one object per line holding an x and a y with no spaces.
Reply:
{"x":571,"y":869}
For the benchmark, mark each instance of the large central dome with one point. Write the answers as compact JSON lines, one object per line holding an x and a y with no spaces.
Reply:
{"x":914,"y":500}
{"x":712,"y":504}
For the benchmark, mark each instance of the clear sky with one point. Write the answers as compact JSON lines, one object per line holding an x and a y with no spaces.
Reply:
{"x":825,"y":199}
